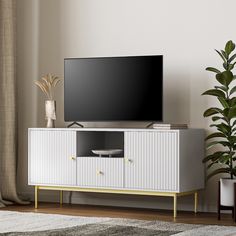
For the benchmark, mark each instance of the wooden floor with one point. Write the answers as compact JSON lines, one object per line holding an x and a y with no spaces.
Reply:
{"x":118,"y":212}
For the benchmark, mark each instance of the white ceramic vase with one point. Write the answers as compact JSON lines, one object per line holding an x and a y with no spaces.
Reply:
{"x":50,"y":110}
{"x":227,"y":191}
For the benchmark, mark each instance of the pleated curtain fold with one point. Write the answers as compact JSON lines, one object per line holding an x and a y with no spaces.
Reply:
{"x":8,"y":109}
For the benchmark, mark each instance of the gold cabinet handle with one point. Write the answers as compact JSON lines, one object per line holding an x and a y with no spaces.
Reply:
{"x":72,"y":158}
{"x":98,"y":172}
{"x":127,"y":160}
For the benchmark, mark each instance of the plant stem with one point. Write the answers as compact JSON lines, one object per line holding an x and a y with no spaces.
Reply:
{"x":231,"y":163}
{"x":230,"y":134}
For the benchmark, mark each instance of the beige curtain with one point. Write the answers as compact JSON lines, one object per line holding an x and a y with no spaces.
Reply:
{"x":8,"y":115}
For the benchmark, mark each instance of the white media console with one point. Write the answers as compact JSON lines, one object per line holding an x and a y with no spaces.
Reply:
{"x":153,"y":162}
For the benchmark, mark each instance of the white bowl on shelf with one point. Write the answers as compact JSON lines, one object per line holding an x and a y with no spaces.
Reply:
{"x":107,"y":152}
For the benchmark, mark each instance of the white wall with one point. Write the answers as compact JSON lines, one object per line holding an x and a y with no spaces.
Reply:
{"x":184,"y":31}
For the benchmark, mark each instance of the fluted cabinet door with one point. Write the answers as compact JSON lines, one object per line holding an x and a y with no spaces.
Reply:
{"x":52,"y":157}
{"x":151,"y":160}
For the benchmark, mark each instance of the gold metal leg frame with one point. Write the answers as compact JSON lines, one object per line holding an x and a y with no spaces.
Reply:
{"x":36,"y":197}
{"x":185,"y":194}
{"x":61,"y":197}
{"x":195,"y":201}
{"x":175,"y":205}
{"x":133,"y":192}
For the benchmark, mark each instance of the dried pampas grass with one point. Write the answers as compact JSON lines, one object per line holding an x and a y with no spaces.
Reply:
{"x":47,"y":84}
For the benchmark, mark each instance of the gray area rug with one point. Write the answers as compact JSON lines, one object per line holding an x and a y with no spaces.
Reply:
{"x":95,"y":229}
{"x":37,"y":224}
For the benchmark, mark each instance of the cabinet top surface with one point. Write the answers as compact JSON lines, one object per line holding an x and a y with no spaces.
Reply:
{"x":111,"y":129}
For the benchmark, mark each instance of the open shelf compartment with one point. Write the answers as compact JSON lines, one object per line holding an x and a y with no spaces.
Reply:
{"x":99,"y":140}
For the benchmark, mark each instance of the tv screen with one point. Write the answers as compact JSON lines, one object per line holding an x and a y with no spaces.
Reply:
{"x":113,"y":88}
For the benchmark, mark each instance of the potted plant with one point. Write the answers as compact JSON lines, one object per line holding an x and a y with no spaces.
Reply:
{"x":47,"y":84}
{"x":223,"y":117}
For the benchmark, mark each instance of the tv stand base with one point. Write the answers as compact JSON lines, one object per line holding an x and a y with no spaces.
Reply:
{"x":75,"y":123}
{"x":174,"y":195}
{"x":150,"y":124}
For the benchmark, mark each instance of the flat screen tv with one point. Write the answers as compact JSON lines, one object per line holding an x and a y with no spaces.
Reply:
{"x":113,"y":89}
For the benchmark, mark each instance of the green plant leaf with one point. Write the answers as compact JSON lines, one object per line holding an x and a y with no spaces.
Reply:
{"x":225,"y":129}
{"x":227,"y":77}
{"x":234,"y":123}
{"x":225,"y":65}
{"x":226,"y":112}
{"x":213,"y":157}
{"x":212,"y":144}
{"x":215,"y":118}
{"x":212,"y":69}
{"x":222,"y":88}
{"x":232,"y":58}
{"x":214,"y":92}
{"x":229,"y":47}
{"x":220,"y":79}
{"x":219,"y":171}
{"x":230,"y":66}
{"x":224,"y":54}
{"x":232,"y":101}
{"x":224,"y":159}
{"x":225,"y":143}
{"x":221,"y":55}
{"x":212,"y":111}
{"x":232,"y":139}
{"x":234,"y":129}
{"x":215,"y":135}
{"x":232,"y":112}
{"x":211,"y":164}
{"x":232,"y":90}
{"x":223,"y":102}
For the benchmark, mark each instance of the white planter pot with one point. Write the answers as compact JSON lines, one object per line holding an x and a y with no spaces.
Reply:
{"x":227,"y":192}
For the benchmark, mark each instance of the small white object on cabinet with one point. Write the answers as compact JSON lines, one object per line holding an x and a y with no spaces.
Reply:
{"x":107,"y":152}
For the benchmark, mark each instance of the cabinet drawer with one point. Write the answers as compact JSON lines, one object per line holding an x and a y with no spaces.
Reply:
{"x":100,"y":172}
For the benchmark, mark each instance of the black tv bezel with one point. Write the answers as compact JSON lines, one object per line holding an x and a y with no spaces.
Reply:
{"x":127,"y":121}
